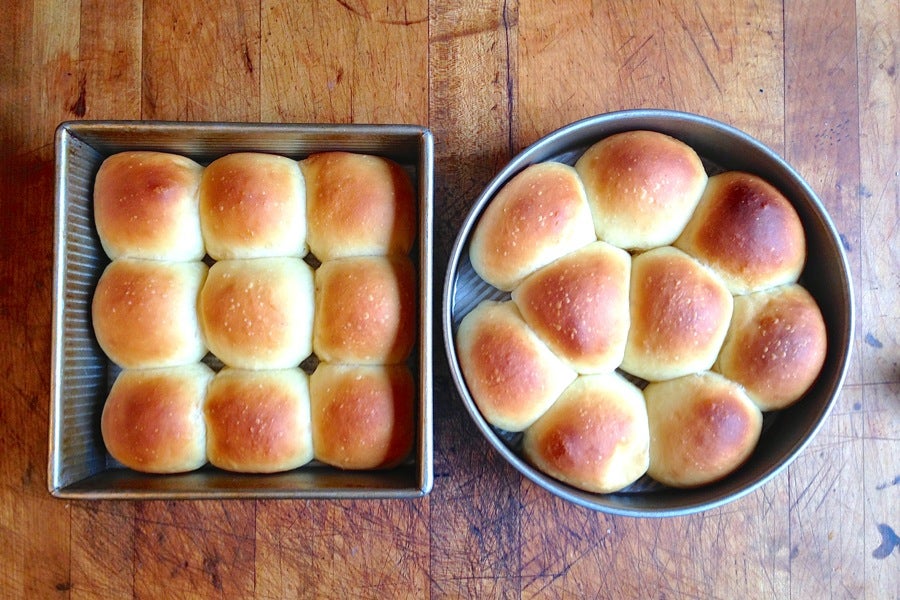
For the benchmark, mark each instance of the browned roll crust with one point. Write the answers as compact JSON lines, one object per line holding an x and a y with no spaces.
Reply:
{"x":536,"y":217}
{"x":702,"y":427}
{"x":253,"y":205}
{"x":258,"y":314}
{"x":358,"y":205}
{"x":512,"y":375}
{"x":775,"y":346}
{"x":680,"y":312}
{"x":153,"y":418}
{"x":145,"y":206}
{"x":748,"y":232}
{"x":259,"y":421}
{"x":595,"y":437}
{"x":578,"y":305}
{"x":362,"y":415}
{"x":145,"y":312}
{"x":365,"y":310}
{"x":642,"y":187}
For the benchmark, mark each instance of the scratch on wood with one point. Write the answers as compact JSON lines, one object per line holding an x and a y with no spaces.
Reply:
{"x":365,"y":14}
{"x":248,"y":62}
{"x":79,"y":106}
{"x":507,"y":26}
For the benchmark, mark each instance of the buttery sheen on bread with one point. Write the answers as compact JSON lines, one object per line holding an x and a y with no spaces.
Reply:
{"x":680,"y":312}
{"x":144,"y":312}
{"x":578,"y":305}
{"x":146,"y":206}
{"x":358,"y":205}
{"x":594,"y":437}
{"x":258,"y":421}
{"x":537,"y":216}
{"x":746,"y":231}
{"x":702,"y":427}
{"x":775,"y":346}
{"x":253,"y":205}
{"x":258,"y":313}
{"x":362,"y":415}
{"x":512,"y":375}
{"x":152,"y":420}
{"x":642,"y":187}
{"x":365,"y":310}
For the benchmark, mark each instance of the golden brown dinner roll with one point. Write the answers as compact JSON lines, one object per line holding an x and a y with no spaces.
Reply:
{"x":258,"y":313}
{"x":253,"y":205}
{"x":775,"y":346}
{"x":365,"y":310}
{"x":258,"y":421}
{"x":512,"y":375}
{"x":536,"y":217}
{"x":362,"y":415}
{"x":153,"y":418}
{"x":595,"y":437}
{"x":578,"y":305}
{"x":702,"y":427}
{"x":642,"y":187}
{"x":358,"y":205}
{"x":748,"y":232}
{"x":145,"y":312}
{"x":145,"y":206}
{"x":680,"y":312}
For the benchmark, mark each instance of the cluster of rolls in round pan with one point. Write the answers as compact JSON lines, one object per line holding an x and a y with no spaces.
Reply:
{"x":262,"y":262}
{"x":654,"y":314}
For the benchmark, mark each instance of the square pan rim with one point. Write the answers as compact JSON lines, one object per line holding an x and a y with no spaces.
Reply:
{"x":421,"y":142}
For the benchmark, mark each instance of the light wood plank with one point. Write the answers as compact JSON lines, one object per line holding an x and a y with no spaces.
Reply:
{"x":201,"y":68}
{"x":344,"y":62}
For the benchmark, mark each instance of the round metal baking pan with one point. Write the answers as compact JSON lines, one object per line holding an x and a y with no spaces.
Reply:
{"x":825,"y":275}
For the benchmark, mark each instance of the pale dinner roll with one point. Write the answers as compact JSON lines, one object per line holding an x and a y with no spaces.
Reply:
{"x":595,"y":437}
{"x":152,"y":420}
{"x":145,"y":206}
{"x":358,"y":205}
{"x":642,"y":187}
{"x":145,"y":312}
{"x":253,"y":205}
{"x":702,"y":427}
{"x":258,"y":421}
{"x":365,"y":310}
{"x":748,"y":232}
{"x":680,"y":312}
{"x":775,"y":346}
{"x":578,"y":305}
{"x":258,"y":313}
{"x":362,"y":415}
{"x":536,"y":217}
{"x":512,"y":375}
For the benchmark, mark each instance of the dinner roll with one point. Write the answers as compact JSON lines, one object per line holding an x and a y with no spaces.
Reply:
{"x":145,"y":312}
{"x":358,"y":205}
{"x":512,"y":375}
{"x":253,"y":205}
{"x":258,"y":314}
{"x":595,"y":437}
{"x":365,"y":310}
{"x":748,"y":232}
{"x":258,"y":421}
{"x":642,"y":187}
{"x":362,"y":415}
{"x":578,"y":305}
{"x":152,"y":420}
{"x":536,"y":217}
{"x":145,"y":206}
{"x":775,"y":346}
{"x":702,"y":427}
{"x":680,"y":312}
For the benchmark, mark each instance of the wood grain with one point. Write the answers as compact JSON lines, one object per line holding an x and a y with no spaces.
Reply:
{"x":815,"y":80}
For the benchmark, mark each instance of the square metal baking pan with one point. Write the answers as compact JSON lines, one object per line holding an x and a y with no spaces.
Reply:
{"x":79,"y":465}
